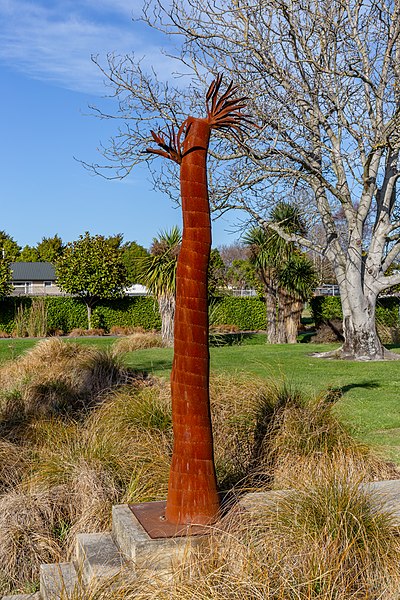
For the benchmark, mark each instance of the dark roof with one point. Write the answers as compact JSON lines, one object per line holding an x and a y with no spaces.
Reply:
{"x":32,"y":271}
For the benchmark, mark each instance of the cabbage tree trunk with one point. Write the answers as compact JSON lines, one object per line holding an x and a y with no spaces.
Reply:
{"x":166,"y":306}
{"x":292,"y":320}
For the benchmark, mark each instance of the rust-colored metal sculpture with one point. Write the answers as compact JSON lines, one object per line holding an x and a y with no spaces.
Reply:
{"x":192,"y":489}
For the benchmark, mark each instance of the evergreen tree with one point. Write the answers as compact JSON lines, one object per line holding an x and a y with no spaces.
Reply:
{"x":91,"y":268}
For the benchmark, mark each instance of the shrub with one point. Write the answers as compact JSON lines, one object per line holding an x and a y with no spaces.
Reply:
{"x":78,"y":332}
{"x":224,"y":329}
{"x":329,"y":539}
{"x":31,"y":320}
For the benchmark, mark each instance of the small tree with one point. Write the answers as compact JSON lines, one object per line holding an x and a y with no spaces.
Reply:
{"x":9,"y":249}
{"x":91,"y":268}
{"x":265,"y":259}
{"x":157,"y":272}
{"x":216,"y":273}
{"x":132,"y":255}
{"x":5,"y":278}
{"x":50,"y":249}
{"x":242,"y":274}
{"x":297,"y":282}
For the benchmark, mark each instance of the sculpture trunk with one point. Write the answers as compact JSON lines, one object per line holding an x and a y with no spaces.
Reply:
{"x":192,"y":490}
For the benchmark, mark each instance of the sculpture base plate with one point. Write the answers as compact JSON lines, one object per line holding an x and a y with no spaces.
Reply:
{"x":151,"y":516}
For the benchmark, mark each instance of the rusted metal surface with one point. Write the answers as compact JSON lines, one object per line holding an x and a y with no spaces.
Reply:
{"x":151,"y":516}
{"x":192,"y":488}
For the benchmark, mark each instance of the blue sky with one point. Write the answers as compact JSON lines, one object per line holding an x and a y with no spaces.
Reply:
{"x":47,"y":83}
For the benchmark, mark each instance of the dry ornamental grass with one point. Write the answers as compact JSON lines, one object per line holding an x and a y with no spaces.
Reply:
{"x":54,"y":376}
{"x":138,"y":341}
{"x":63,"y":471}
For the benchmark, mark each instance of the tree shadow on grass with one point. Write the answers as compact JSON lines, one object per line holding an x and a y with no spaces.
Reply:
{"x":336,"y":392}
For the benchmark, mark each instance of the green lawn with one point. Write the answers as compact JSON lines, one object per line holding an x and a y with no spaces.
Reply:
{"x":371,"y":391}
{"x":12,"y":347}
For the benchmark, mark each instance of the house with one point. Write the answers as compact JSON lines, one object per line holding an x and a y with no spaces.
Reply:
{"x":34,"y":279}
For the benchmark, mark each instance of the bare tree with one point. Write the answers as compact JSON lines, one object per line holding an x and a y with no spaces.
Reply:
{"x":323,"y":79}
{"x":231,"y":252}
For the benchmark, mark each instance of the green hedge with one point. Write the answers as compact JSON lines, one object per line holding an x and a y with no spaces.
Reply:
{"x":139,"y":311}
{"x":65,"y":313}
{"x":387,"y":311}
{"x":246,"y":313}
{"x":326,"y":308}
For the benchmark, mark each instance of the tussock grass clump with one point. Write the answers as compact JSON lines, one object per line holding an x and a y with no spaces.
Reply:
{"x":80,"y":472}
{"x":295,"y":435}
{"x":28,"y":524}
{"x":80,"y":332}
{"x":14,"y":464}
{"x":328,"y":539}
{"x":138,"y":341}
{"x":138,"y":425}
{"x":235,"y":402}
{"x":120,"y":453}
{"x":55,"y":376}
{"x":125,"y":330}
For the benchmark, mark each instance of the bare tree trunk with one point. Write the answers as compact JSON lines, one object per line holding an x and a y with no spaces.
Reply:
{"x":361,"y":341}
{"x":166,"y":305}
{"x":89,"y":315}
